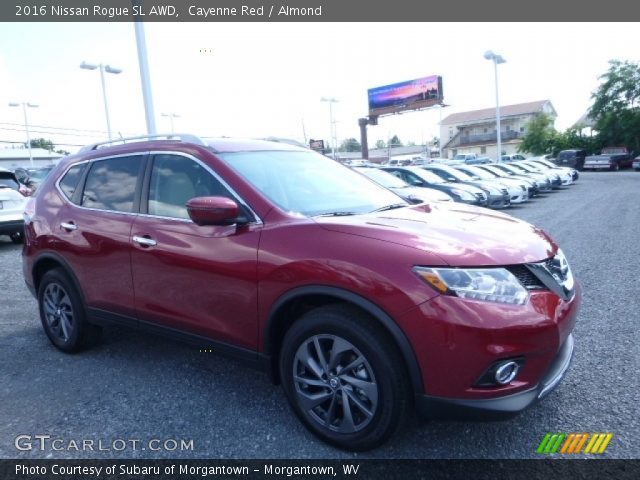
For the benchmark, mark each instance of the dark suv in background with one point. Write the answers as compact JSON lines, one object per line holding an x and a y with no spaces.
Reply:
{"x":571,"y":158}
{"x":362,"y":305}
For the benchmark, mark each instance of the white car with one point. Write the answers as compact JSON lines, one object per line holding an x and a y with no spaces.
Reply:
{"x":518,"y":191}
{"x":565,"y":175}
{"x":12,"y":205}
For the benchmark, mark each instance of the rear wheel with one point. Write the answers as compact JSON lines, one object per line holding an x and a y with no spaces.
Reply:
{"x":343,"y":378}
{"x":63,"y":314}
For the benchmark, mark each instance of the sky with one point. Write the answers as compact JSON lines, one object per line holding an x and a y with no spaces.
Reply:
{"x":266,"y":79}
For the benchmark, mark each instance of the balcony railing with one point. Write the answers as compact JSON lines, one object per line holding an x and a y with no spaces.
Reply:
{"x":463,"y":139}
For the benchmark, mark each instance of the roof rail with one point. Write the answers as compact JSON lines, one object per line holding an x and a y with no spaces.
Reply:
{"x":183,"y":137}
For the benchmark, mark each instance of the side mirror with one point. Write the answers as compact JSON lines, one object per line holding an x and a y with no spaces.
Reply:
{"x":213,"y":211}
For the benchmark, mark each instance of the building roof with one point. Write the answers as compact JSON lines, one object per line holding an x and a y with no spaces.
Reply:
{"x":23,"y":153}
{"x":490,"y":113}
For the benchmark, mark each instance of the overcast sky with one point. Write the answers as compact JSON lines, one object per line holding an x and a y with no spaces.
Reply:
{"x":264,"y":79}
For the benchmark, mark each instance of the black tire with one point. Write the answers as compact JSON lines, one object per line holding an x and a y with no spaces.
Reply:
{"x":63,"y":315}
{"x":375,"y":388}
{"x":17,"y":237}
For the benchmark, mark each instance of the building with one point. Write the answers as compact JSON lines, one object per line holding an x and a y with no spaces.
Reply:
{"x":12,"y":158}
{"x":475,"y":131}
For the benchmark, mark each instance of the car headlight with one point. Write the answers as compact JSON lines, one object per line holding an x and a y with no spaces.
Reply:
{"x":463,"y":194}
{"x":488,"y":284}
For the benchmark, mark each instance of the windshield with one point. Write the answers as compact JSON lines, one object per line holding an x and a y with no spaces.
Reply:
{"x":7,"y":180}
{"x":462,"y":176}
{"x":310,"y":184}
{"x":500,"y":170}
{"x":385,"y":179}
{"x":476,"y":173}
{"x":427,"y":176}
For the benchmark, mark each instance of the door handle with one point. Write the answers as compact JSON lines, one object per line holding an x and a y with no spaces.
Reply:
{"x":144,"y":241}
{"x":68,"y":226}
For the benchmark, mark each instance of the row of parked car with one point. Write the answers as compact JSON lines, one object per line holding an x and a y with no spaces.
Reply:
{"x":495,"y":185}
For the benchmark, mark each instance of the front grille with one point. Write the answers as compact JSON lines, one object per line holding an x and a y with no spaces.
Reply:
{"x":526,"y":277}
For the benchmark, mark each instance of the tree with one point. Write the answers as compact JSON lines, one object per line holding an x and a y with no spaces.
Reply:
{"x":395,"y":142}
{"x":42,"y":143}
{"x":541,"y":136}
{"x":380,"y":144}
{"x":616,"y":105}
{"x":350,"y":145}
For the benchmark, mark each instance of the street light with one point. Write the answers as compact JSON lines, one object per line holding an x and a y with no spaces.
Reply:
{"x":26,"y":123}
{"x":108,"y":69}
{"x":171,"y":117}
{"x":496,"y":59}
{"x":332,"y":124}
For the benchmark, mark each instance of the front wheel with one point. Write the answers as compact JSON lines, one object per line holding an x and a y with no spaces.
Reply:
{"x":63,"y":314}
{"x":16,"y":237}
{"x":344,"y":379}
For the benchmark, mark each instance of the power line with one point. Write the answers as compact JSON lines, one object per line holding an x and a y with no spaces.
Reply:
{"x":56,"y":128}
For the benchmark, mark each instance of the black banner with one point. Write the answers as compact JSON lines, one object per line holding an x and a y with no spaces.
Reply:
{"x":316,"y":469}
{"x":312,"y":11}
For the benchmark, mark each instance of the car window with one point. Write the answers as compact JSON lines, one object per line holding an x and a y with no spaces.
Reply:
{"x":111,"y":184}
{"x":70,"y":180}
{"x":8,"y":180}
{"x":175,"y":180}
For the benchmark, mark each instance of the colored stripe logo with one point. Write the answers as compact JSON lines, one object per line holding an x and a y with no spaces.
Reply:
{"x":593,"y":443}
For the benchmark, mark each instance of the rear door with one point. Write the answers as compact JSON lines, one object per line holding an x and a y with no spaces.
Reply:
{"x":200,"y":279}
{"x":92,"y":229}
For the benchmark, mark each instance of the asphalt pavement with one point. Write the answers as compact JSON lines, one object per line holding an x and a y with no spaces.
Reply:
{"x":160,"y":399}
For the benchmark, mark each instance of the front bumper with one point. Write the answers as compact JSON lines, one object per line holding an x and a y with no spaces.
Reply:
{"x":500,"y":407}
{"x":498,"y":201}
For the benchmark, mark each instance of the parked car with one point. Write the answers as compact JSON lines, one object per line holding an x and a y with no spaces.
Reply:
{"x":498,"y":195}
{"x":9,"y":179}
{"x":12,"y":205}
{"x":466,"y":157}
{"x":554,"y":178}
{"x":548,"y":163}
{"x":636,"y":163}
{"x":512,"y":158}
{"x":518,"y":191}
{"x":611,"y":158}
{"x":542,"y":183}
{"x":564,"y":176}
{"x":571,"y":158}
{"x":407,"y":192}
{"x":358,"y":303}
{"x":419,"y":177}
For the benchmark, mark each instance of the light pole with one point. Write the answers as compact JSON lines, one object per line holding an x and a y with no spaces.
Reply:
{"x":171,"y":117}
{"x":108,"y":69}
{"x":332,"y":124}
{"x":26,"y":123}
{"x":496,"y":59}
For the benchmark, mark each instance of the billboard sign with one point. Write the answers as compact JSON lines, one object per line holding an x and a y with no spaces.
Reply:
{"x":403,"y":96}
{"x":316,"y":145}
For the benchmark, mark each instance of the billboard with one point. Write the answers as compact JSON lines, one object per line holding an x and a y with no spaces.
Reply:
{"x":316,"y":145}
{"x":408,"y":95}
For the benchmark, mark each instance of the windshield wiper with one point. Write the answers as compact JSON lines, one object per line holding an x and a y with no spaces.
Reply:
{"x":389,"y":207}
{"x":335,"y":214}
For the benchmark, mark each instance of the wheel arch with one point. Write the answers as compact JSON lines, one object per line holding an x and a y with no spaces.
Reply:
{"x":48,"y":261}
{"x":291,"y":305}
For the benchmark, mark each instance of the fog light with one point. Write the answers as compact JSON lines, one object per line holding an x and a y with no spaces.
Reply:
{"x":506,"y":372}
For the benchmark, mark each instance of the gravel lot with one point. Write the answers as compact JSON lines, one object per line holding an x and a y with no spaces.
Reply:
{"x":134,"y":386}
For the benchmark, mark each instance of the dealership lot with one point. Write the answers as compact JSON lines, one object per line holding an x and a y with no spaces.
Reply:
{"x":138,"y":387}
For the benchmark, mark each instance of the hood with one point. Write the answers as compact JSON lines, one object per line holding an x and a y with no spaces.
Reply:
{"x":422,"y":194}
{"x":460,"y":235}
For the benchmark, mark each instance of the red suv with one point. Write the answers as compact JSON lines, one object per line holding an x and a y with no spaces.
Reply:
{"x":361,"y":305}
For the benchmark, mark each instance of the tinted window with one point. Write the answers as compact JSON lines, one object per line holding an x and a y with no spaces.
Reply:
{"x":8,"y":180}
{"x":69,"y":182}
{"x":111,"y":184}
{"x":174,"y":181}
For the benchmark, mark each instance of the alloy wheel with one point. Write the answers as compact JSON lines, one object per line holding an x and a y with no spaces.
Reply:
{"x":58,"y":311}
{"x":335,"y":384}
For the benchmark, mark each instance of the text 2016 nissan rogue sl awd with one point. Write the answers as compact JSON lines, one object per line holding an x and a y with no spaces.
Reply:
{"x":361,"y":305}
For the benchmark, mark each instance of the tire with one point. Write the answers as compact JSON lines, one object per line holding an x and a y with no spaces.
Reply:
{"x":17,"y":237}
{"x":375,"y":389}
{"x":63,"y":315}
{"x":615,"y":167}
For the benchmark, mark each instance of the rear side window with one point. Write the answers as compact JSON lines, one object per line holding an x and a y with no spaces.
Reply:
{"x":69,"y":182}
{"x":111,"y":184}
{"x":8,"y":180}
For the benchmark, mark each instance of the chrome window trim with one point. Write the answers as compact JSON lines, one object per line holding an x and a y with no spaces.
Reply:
{"x":258,"y":220}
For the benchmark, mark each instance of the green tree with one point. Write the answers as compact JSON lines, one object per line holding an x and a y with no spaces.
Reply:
{"x":616,"y":105}
{"x":350,"y":145}
{"x":541,"y":136}
{"x":395,"y":142}
{"x":380,"y":144}
{"x":42,"y":143}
